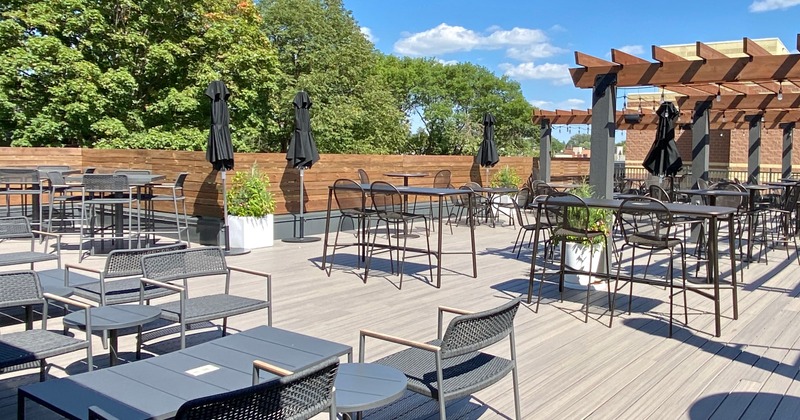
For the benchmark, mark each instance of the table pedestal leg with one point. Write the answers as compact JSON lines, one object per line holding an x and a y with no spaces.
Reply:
{"x":112,"y":347}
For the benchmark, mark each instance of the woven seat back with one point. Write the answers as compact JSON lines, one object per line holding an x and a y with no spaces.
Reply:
{"x":20,"y":288}
{"x":15,"y":227}
{"x":349,"y":196}
{"x":19,"y":176}
{"x":48,"y":168}
{"x":105,"y":183}
{"x":520,"y":202}
{"x":128,"y":262}
{"x":387,"y":201}
{"x":300,"y":395}
{"x":184,"y":264}
{"x":468,"y":333}
{"x":644,"y":217}
{"x":132,"y":172}
{"x":729,"y":201}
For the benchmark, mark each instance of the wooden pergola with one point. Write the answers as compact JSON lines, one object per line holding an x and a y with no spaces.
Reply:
{"x":747,"y":87}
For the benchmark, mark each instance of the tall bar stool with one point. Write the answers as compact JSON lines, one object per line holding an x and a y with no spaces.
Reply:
{"x":102,"y":190}
{"x":175,"y":194}
{"x":62,"y":194}
{"x":351,"y":200}
{"x":363,"y":177}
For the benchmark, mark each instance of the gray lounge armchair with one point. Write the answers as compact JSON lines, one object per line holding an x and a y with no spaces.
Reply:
{"x":453,"y":366}
{"x":22,"y":288}
{"x":120,"y":280}
{"x":163,"y":268}
{"x":19,"y":228}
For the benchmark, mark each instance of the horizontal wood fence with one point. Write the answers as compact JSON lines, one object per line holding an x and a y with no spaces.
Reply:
{"x":204,"y":187}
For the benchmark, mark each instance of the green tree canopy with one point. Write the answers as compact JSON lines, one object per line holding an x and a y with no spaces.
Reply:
{"x":132,"y":74}
{"x":321,"y":50}
{"x":449,"y":102}
{"x":580,"y":140}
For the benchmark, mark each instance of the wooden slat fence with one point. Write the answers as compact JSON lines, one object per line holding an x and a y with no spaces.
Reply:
{"x":204,"y":186}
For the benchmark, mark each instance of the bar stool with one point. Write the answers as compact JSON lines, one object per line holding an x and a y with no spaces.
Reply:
{"x":351,"y":201}
{"x":175,"y":195}
{"x":107,"y":190}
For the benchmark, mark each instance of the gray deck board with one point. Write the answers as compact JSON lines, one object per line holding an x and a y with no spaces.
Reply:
{"x":568,"y":368}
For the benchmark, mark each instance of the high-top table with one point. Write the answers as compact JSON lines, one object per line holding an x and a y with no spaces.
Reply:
{"x":712,"y":213}
{"x":155,"y":388}
{"x":442,"y":194}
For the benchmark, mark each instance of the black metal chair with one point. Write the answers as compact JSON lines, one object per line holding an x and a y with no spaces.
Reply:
{"x":525,"y":225}
{"x":390,"y":209}
{"x":784,"y":226}
{"x":440,"y":180}
{"x":351,"y":200}
{"x":292,"y":396}
{"x":647,"y":225}
{"x":568,"y":218}
{"x":22,"y":288}
{"x":60,"y":194}
{"x":454,"y":365}
{"x":363,"y":176}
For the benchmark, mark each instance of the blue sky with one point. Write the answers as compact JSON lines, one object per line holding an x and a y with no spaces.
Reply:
{"x":533,"y":42}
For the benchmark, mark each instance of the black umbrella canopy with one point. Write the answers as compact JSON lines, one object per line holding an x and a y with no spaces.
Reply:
{"x":302,"y":151}
{"x":487,"y":152}
{"x":219,"y":150}
{"x":663,"y":158}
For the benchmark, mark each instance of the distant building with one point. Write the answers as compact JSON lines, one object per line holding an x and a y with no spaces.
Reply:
{"x":574,"y":152}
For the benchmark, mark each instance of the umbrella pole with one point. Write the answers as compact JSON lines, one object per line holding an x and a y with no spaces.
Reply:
{"x":302,"y":237}
{"x":228,"y":249}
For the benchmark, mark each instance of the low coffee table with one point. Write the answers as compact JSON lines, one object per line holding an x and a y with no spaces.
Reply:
{"x":362,"y":386}
{"x":113,"y":319}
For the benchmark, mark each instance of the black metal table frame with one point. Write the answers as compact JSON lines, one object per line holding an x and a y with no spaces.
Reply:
{"x":441,"y":193}
{"x":713,"y":213}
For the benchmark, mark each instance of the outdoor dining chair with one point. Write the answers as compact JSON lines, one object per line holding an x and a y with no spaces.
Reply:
{"x":568,"y":218}
{"x":351,"y":200}
{"x":454,"y":365}
{"x":292,"y":396}
{"x":647,"y":225}
{"x":18,"y":229}
{"x":166,"y":193}
{"x":525,"y":225}
{"x":60,"y":194}
{"x":22,"y":288}
{"x":389,"y":209}
{"x":363,"y":176}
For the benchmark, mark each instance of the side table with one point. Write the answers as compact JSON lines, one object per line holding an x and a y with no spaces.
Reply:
{"x":114,"y":318}
{"x":362,"y":386}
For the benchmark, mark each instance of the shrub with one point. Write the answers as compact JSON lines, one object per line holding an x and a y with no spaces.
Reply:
{"x":248,"y":195}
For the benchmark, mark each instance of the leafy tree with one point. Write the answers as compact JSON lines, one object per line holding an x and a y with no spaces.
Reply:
{"x":449,"y":102}
{"x":556,"y":145}
{"x":322,"y":50}
{"x":132,"y":74}
{"x":580,"y":140}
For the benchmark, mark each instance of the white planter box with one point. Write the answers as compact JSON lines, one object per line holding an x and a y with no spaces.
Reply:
{"x":578,"y":257}
{"x":250,"y":232}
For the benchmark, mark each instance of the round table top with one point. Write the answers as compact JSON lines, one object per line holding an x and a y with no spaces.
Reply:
{"x":115,"y":317}
{"x":362,"y":386}
{"x":406,"y":174}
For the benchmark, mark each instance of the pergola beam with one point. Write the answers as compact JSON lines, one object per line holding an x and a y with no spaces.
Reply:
{"x":707,"y":53}
{"x":752,"y":49}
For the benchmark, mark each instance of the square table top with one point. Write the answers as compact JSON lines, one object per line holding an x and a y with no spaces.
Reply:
{"x":156,"y":387}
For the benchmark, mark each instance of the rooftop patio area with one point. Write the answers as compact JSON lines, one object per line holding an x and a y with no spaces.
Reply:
{"x":568,"y":369}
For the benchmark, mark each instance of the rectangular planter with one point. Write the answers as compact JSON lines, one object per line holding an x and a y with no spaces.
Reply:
{"x":251,"y":232}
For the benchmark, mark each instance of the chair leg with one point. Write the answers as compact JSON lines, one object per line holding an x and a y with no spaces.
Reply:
{"x":588,"y":287}
{"x":630,"y":282}
{"x":428,"y":242}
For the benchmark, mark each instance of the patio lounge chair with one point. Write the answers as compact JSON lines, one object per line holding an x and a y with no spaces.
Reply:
{"x":19,"y":227}
{"x":119,"y":281}
{"x":22,"y":288}
{"x":163,"y":268}
{"x":453,"y":366}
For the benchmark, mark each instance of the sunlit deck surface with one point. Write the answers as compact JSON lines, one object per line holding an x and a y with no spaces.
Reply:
{"x":568,"y":369}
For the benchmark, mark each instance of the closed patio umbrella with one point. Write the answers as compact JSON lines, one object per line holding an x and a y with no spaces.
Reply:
{"x":302,"y":152}
{"x":487,"y":152}
{"x":663,"y":158}
{"x":219,"y":149}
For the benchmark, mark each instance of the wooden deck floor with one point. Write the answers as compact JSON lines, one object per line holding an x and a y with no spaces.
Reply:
{"x":568,"y":368}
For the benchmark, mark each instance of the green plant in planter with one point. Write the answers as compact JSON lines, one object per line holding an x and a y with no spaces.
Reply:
{"x":506,"y":178}
{"x":599,"y":219}
{"x":249,"y":196}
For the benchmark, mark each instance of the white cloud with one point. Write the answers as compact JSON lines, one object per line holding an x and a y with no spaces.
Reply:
{"x":533,"y":52}
{"x":447,"y":62}
{"x":445,"y":39}
{"x":768,"y":5}
{"x":367,"y":32}
{"x":632,"y":49}
{"x":566,"y":104}
{"x":557,"y":28}
{"x":558,"y":73}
